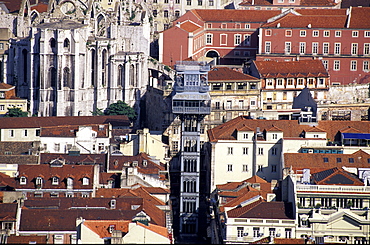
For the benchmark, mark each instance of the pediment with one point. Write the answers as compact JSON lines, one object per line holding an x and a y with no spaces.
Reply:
{"x":344,"y":223}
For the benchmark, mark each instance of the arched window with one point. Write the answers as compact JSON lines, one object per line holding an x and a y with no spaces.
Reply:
{"x":66,"y":77}
{"x":52,"y":43}
{"x":93,"y":67}
{"x":104,"y":65}
{"x":66,"y":43}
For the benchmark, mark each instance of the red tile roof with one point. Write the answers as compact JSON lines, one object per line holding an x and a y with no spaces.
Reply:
{"x":70,"y":131}
{"x":290,"y":68}
{"x":293,"y":21}
{"x":47,"y":158}
{"x":311,"y":3}
{"x":336,"y":176}
{"x":38,"y":239}
{"x":189,"y":26}
{"x":262,"y":210}
{"x":8,"y":211}
{"x":77,"y":172}
{"x":228,"y":74}
{"x":291,"y":128}
{"x":359,"y":18}
{"x":315,"y":161}
{"x":6,"y":87}
{"x":289,"y":241}
{"x":227,"y":15}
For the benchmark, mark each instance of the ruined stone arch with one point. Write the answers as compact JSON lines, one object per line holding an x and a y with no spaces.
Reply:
{"x":100,"y":25}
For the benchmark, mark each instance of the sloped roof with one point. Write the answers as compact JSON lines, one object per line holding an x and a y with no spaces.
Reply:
{"x":228,"y":74}
{"x":303,"y":100}
{"x":291,"y":68}
{"x":335,"y":176}
{"x":293,"y":21}
{"x":189,"y":26}
{"x":71,"y":130}
{"x":263,"y":210}
{"x":116,"y":163}
{"x":38,"y":122}
{"x":100,"y":227}
{"x":8,"y":211}
{"x":237,"y":15}
{"x":316,"y":162}
{"x":291,"y":128}
{"x":311,"y":3}
{"x":360,"y":18}
{"x":40,"y":239}
{"x":6,"y":182}
{"x":6,"y":87}
{"x":47,"y":158}
{"x":77,"y":172}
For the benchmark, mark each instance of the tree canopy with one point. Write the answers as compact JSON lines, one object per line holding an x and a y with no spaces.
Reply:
{"x":121,"y":108}
{"x":15,"y":112}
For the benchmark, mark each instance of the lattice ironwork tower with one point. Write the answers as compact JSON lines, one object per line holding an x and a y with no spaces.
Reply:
{"x":191,"y":103}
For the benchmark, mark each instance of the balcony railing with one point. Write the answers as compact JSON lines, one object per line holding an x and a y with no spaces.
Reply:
{"x":325,"y":188}
{"x":191,"y":110}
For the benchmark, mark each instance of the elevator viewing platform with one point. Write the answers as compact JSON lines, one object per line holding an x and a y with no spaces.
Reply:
{"x":191,"y":88}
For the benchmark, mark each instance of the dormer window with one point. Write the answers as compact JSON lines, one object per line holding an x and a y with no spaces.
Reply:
{"x":69,"y":182}
{"x":23,"y":180}
{"x":55,"y":181}
{"x":85,"y":181}
{"x":145,"y":163}
{"x":245,"y":136}
{"x":38,"y":181}
{"x":113,"y":204}
{"x":111,"y":228}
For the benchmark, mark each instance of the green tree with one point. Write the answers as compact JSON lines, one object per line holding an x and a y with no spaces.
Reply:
{"x":97,"y":112}
{"x":15,"y":112}
{"x":121,"y":108}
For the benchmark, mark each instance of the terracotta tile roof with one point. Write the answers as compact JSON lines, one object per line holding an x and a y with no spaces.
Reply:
{"x":12,"y":5}
{"x":116,"y":163}
{"x":255,"y":179}
{"x":39,"y":122}
{"x":315,"y":129}
{"x":49,"y":171}
{"x":263,"y":210}
{"x":7,"y":183}
{"x":65,"y":220}
{"x":290,"y":21}
{"x":70,"y":131}
{"x":323,"y":12}
{"x":359,"y":18}
{"x":228,"y":74}
{"x":222,"y":15}
{"x":291,"y":128}
{"x":38,"y":239}
{"x":189,"y":26}
{"x":311,"y":3}
{"x":289,"y":241}
{"x":85,"y":159}
{"x":315,"y":161}
{"x":256,"y":2}
{"x":318,"y":3}
{"x":101,"y":227}
{"x":8,"y":211}
{"x":291,"y":68}
{"x":336,"y":176}
{"x":6,"y":87}
{"x":274,"y":129}
{"x":157,"y":190}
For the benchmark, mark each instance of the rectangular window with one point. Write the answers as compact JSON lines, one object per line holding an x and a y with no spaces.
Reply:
{"x":268,"y":32}
{"x":256,"y":231}
{"x":200,"y":2}
{"x":240,"y":231}
{"x":325,"y":63}
{"x":302,"y":47}
{"x":353,"y":65}
{"x":273,"y":168}
{"x":326,"y":159}
{"x":247,"y":40}
{"x":315,"y":48}
{"x":274,"y":151}
{"x":247,"y":26}
{"x":229,"y":150}
{"x":223,"y":25}
{"x":274,"y":136}
{"x":354,"y":33}
{"x":272,"y":232}
{"x":25,"y":133}
{"x":365,"y":66}
{"x":337,"y":48}
{"x":267,"y":47}
{"x":288,"y":46}
{"x":338,"y":33}
{"x":229,"y":167}
{"x":354,"y":49}
{"x":209,"y":39}
{"x":288,"y":233}
{"x":260,"y":151}
{"x":2,"y":107}
{"x":326,"y":33}
{"x":259,"y":168}
{"x":211,"y":2}
{"x":188,"y":2}
{"x":237,"y":39}
{"x":245,"y":136}
{"x":325,"y":48}
{"x":315,"y":33}
{"x":336,"y":65}
{"x":245,"y":150}
{"x":56,"y":147}
{"x":11,"y":133}
{"x":366,"y":48}
{"x":245,"y":168}
{"x":302,"y":33}
{"x":288,"y":33}
{"x":351,"y":160}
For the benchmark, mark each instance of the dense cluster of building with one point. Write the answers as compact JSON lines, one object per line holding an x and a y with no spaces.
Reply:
{"x":253,"y":121}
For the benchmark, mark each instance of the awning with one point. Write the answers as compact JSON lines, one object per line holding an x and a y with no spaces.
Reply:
{"x":355,"y":136}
